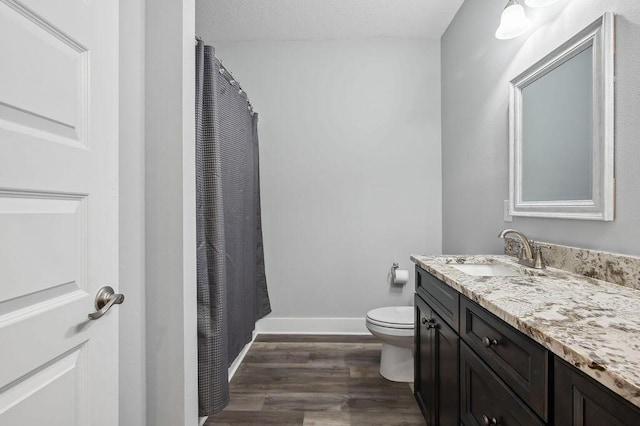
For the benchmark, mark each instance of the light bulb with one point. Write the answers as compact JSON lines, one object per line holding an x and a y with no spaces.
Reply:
{"x":514,"y":22}
{"x":539,"y":3}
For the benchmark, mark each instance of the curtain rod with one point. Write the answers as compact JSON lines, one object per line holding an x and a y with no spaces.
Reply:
{"x":229,"y":77}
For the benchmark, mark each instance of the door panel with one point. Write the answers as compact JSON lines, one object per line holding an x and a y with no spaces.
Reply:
{"x":48,"y":390}
{"x":46,"y":91}
{"x":48,"y":230}
{"x":58,"y":211}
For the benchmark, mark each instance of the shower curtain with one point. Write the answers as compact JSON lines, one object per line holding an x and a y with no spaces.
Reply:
{"x":232,"y":287}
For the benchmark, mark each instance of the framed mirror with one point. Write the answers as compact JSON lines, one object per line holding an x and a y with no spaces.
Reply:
{"x":561,"y":130}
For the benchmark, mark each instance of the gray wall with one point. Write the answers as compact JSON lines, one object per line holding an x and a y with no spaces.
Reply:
{"x":350,"y":167}
{"x":476,"y":69}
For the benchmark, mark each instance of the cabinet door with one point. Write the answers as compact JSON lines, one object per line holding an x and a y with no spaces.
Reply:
{"x":436,"y":369}
{"x":487,"y":400}
{"x":581,"y":401}
{"x":424,"y":367}
{"x":447,"y":347}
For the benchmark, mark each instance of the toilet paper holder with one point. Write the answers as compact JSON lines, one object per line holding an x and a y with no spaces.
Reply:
{"x":394,"y":275}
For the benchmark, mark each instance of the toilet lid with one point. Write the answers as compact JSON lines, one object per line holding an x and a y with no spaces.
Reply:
{"x":392,"y":316}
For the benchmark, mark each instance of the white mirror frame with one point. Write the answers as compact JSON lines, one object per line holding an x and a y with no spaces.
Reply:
{"x":601,"y":35}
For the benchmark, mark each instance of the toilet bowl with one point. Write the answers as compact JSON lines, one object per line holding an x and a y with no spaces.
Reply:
{"x":394,"y":326}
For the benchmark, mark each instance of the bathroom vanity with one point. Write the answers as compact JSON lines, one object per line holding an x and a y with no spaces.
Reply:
{"x":498,"y":343}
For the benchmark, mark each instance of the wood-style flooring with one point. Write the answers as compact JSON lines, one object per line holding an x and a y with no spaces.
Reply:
{"x":306,"y":380}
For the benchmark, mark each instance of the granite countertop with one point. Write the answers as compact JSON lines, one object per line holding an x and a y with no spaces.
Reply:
{"x":592,"y":324}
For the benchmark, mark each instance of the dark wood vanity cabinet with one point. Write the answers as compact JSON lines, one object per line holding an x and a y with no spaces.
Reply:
{"x":581,"y":401}
{"x":436,"y":372}
{"x":472,"y":369}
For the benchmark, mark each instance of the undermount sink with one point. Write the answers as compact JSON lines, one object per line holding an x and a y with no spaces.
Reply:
{"x":487,"y":270}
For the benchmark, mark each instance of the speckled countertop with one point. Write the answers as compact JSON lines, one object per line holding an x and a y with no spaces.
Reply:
{"x":592,"y":324}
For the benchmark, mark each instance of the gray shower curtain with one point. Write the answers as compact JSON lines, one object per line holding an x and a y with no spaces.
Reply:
{"x":232,"y":287}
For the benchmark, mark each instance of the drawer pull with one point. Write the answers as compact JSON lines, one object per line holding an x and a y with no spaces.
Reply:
{"x":489,"y":342}
{"x":489,"y":421}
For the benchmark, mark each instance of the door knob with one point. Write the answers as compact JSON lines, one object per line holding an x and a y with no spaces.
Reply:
{"x":105,"y":299}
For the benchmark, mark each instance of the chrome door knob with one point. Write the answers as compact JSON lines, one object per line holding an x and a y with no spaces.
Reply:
{"x":105,"y":299}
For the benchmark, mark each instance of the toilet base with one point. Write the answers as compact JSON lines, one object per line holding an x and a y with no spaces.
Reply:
{"x":396,"y":363}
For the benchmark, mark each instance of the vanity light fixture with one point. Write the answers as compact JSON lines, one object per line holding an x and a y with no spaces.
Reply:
{"x":514,"y":21}
{"x":539,"y":3}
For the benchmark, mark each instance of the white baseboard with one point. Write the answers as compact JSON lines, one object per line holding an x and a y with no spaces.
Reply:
{"x":311,"y":326}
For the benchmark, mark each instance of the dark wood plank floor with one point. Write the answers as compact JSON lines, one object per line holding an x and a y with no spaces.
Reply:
{"x":316,"y":381}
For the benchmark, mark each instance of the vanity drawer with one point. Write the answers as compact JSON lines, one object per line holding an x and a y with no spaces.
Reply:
{"x":485,"y":399}
{"x":442,"y":298}
{"x":519,"y":361}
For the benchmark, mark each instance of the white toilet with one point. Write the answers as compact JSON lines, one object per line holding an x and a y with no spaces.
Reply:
{"x":394,"y":325}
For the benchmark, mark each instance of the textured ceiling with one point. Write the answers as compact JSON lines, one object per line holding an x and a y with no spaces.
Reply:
{"x":244,"y":20}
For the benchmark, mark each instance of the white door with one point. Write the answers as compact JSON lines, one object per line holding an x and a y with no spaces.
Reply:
{"x":58,"y":211}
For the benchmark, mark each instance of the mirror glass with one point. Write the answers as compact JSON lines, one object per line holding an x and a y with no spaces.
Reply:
{"x":561,"y":130}
{"x":557,"y":136}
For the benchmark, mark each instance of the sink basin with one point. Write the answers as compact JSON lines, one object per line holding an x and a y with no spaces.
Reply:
{"x":486,"y":270}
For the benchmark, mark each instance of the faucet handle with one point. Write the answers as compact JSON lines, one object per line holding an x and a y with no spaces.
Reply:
{"x":538,"y":246}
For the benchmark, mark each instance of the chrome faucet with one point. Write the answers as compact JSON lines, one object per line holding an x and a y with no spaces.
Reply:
{"x":528,"y":249}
